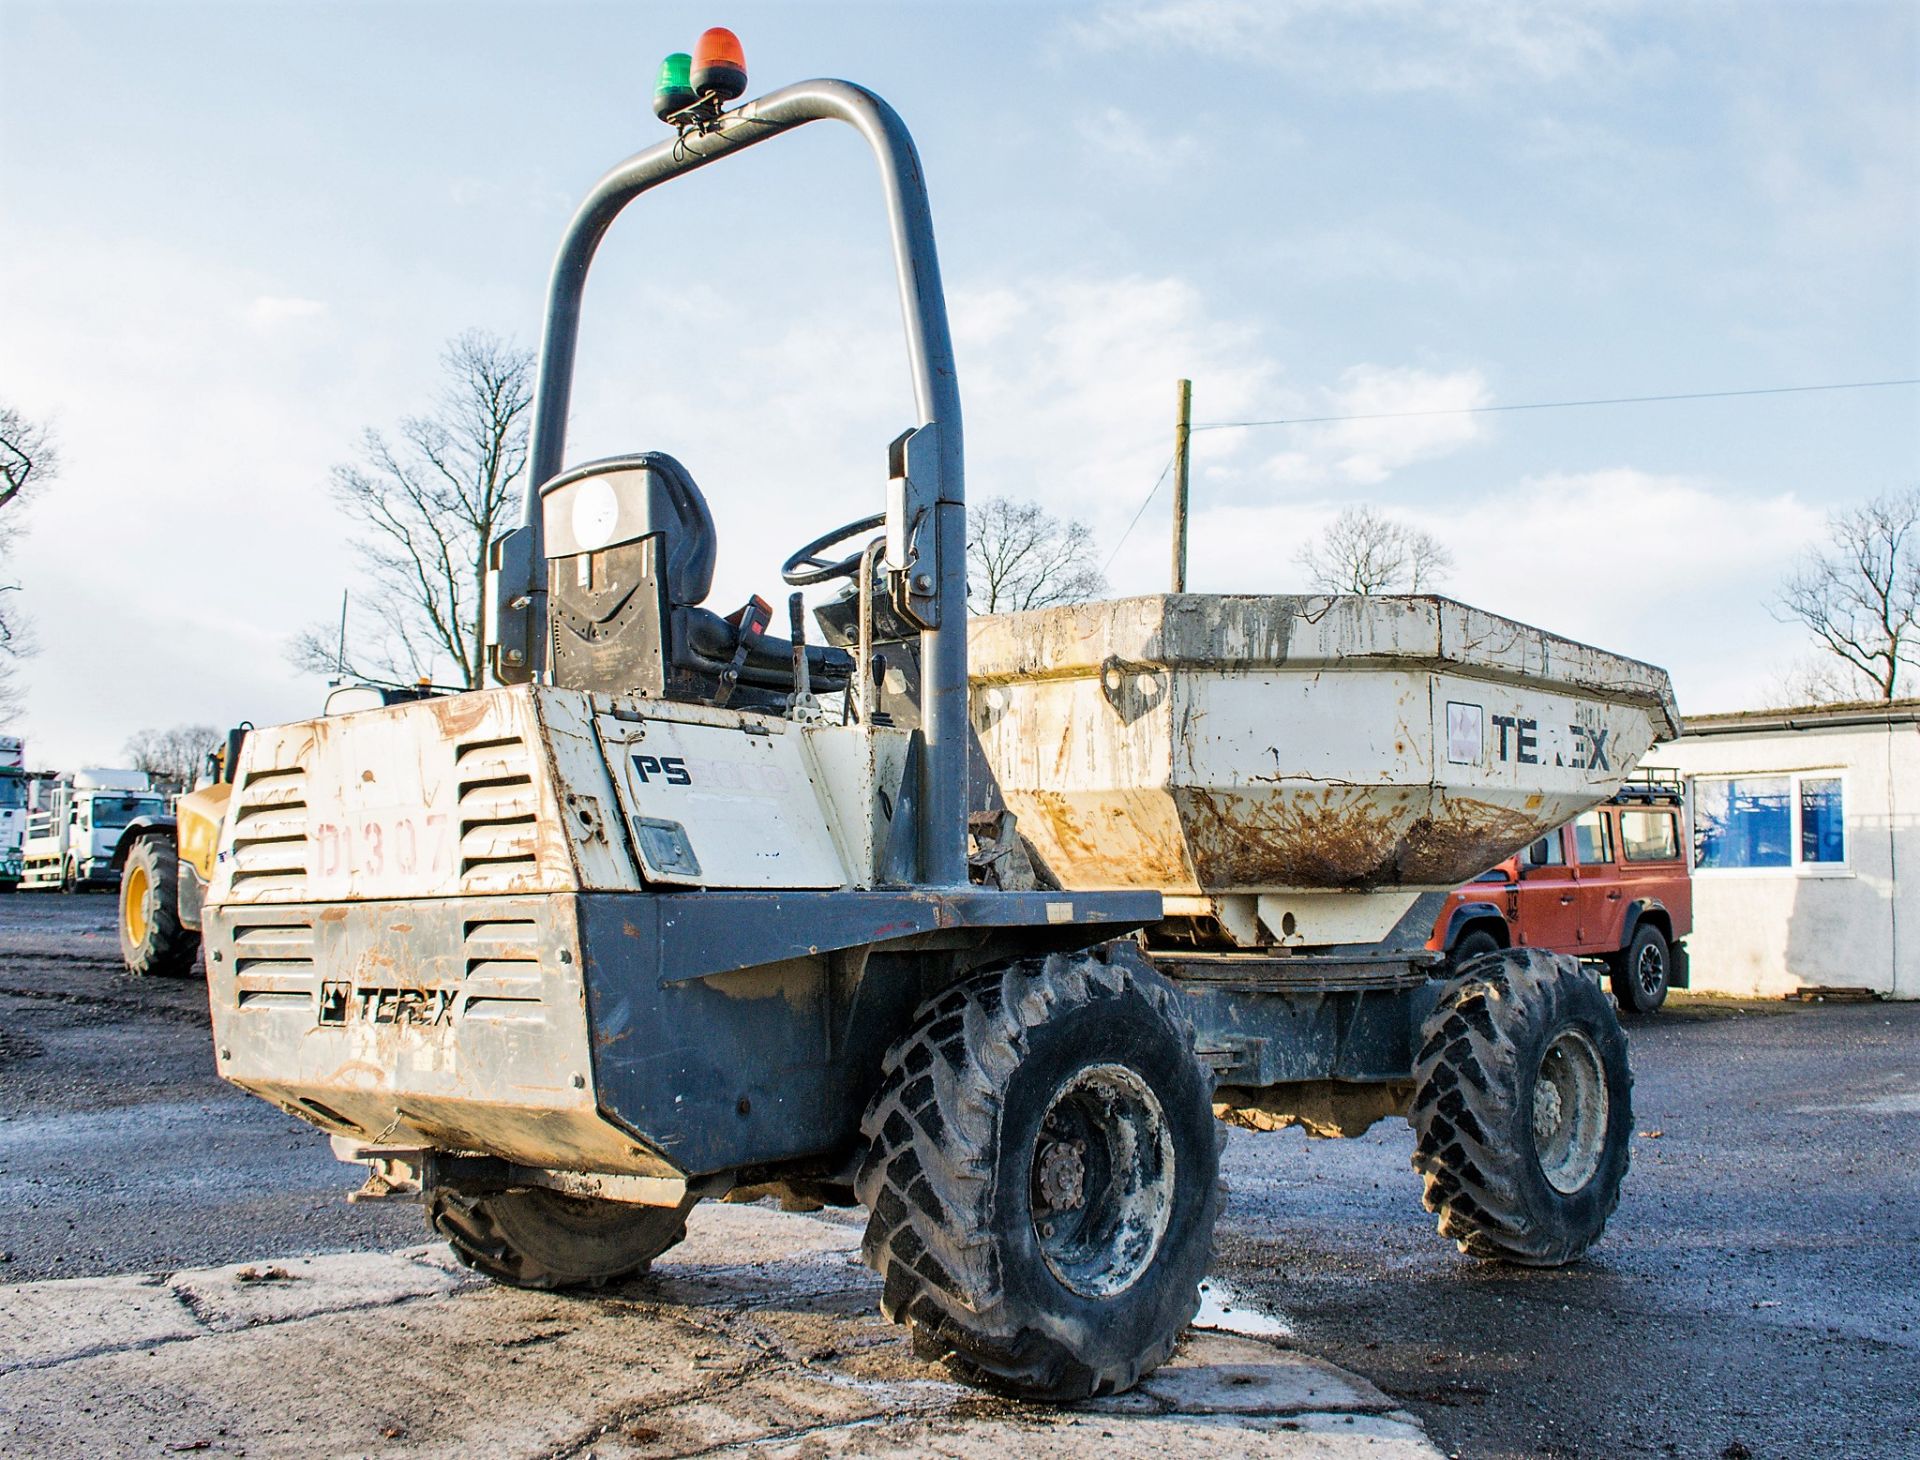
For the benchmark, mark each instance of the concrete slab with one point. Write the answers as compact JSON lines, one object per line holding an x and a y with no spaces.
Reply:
{"x":760,"y":1330}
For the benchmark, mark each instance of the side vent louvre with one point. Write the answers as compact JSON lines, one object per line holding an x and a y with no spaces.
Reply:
{"x":498,"y":835}
{"x":270,"y":833}
{"x":273,"y":965}
{"x":504,"y":977}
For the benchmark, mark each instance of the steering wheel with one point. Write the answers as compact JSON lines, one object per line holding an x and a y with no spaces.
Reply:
{"x":807,"y":567}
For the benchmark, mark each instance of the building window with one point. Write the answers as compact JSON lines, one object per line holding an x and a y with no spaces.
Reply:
{"x":1783,"y":822}
{"x":1823,"y":831}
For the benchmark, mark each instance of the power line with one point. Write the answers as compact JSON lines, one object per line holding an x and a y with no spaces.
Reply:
{"x":1546,"y":405}
{"x":1158,"y":482}
{"x":1554,"y":405}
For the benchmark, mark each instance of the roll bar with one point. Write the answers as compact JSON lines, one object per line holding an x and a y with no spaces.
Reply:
{"x":926,"y":498}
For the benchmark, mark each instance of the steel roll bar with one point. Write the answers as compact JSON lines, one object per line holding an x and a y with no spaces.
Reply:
{"x":519,"y":596}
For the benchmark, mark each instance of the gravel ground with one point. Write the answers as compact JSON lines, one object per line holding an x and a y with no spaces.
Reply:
{"x":1757,"y":1294}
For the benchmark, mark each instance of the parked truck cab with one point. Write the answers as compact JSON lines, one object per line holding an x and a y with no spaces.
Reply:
{"x":1612,"y":885}
{"x":75,"y":827}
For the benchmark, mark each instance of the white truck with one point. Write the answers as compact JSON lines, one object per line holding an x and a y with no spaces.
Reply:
{"x":75,"y":822}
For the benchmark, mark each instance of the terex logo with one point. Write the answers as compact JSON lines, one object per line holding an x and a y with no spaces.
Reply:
{"x":428,"y":1006}
{"x":670,"y":768}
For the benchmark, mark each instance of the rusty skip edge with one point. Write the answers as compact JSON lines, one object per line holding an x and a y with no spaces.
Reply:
{"x":1241,"y":633}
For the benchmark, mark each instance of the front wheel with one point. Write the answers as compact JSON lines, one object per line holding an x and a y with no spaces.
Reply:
{"x":1640,"y":975}
{"x":153,"y":940}
{"x":530,"y":1237}
{"x":1522,"y":1110}
{"x":1043,"y":1175}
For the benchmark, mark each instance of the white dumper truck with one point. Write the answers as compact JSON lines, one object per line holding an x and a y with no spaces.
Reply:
{"x":75,"y":824}
{"x":680,"y":910}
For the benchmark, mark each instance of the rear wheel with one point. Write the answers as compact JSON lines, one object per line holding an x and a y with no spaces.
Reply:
{"x":152,"y":939}
{"x":1522,"y":1109}
{"x":1043,"y":1175}
{"x":530,"y":1237}
{"x":1640,"y":975}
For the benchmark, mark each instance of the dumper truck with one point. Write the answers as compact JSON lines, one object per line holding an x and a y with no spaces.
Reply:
{"x":681,"y":909}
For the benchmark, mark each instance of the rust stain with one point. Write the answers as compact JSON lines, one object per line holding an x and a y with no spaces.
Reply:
{"x":1329,"y":836}
{"x":461,"y":714}
{"x":1347,"y":838}
{"x":1464,"y":839}
{"x":1112,"y":852}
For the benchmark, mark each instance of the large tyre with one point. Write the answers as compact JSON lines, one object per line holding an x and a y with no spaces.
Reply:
{"x":1640,"y":975}
{"x":1043,"y":1175}
{"x":529,"y":1237}
{"x":152,"y":940}
{"x":1475,"y":944}
{"x":1522,"y":1109}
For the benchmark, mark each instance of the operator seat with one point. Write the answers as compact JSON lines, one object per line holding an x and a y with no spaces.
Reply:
{"x":630,"y":552}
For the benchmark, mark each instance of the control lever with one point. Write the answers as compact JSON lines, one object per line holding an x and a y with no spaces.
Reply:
{"x":801,"y":705}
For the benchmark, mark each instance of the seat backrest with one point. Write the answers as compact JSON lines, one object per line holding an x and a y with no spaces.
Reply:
{"x":625,"y":498}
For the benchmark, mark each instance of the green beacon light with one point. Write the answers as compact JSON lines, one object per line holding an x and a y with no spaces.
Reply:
{"x":674,"y":92}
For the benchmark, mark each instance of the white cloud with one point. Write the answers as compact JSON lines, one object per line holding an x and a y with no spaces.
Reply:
{"x":1367,"y":452}
{"x":1121,"y":141}
{"x":1672,"y":569}
{"x":269,"y":311}
{"x":1376,"y":45}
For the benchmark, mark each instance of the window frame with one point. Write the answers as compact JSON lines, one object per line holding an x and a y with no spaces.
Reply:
{"x":1610,"y":842}
{"x":1798,"y":867}
{"x":1674,"y":819}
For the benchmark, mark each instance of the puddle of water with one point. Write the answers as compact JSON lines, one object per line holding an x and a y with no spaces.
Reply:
{"x":1223,"y":1310}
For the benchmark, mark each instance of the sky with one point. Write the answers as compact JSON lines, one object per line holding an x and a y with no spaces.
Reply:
{"x":233,"y":236}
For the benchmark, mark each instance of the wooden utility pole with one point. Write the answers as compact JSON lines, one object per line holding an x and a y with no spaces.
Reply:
{"x":1182,"y":433}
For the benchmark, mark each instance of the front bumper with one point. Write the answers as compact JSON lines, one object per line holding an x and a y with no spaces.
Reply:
{"x":637,"y":1034}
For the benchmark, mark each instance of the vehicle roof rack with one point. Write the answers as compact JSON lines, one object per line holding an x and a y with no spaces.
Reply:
{"x":1651,"y":785}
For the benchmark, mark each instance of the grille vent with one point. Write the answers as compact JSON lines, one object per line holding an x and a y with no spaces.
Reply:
{"x":273,"y":965}
{"x":498,"y":833}
{"x":503,"y":971}
{"x":270,"y":833}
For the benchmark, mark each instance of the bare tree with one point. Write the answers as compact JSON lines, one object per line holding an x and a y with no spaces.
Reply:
{"x":27,"y":458}
{"x":27,"y":454}
{"x":1366,"y":552}
{"x":171,"y":757}
{"x":430,"y":502}
{"x":1860,"y":593}
{"x":1021,"y":556}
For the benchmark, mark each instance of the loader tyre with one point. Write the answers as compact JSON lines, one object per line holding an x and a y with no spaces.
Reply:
{"x":1522,"y":1109}
{"x":1640,"y":974}
{"x":152,"y":940}
{"x":529,"y":1237}
{"x":1043,"y":1175}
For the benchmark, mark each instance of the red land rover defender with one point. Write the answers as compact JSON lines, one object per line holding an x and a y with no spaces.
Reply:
{"x":1612,"y":884}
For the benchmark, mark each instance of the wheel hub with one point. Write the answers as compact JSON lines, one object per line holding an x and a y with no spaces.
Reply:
{"x":1102,"y":1181}
{"x":1062,"y":1174}
{"x":1651,"y":974}
{"x":1570,"y":1110}
{"x":133,"y":897}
